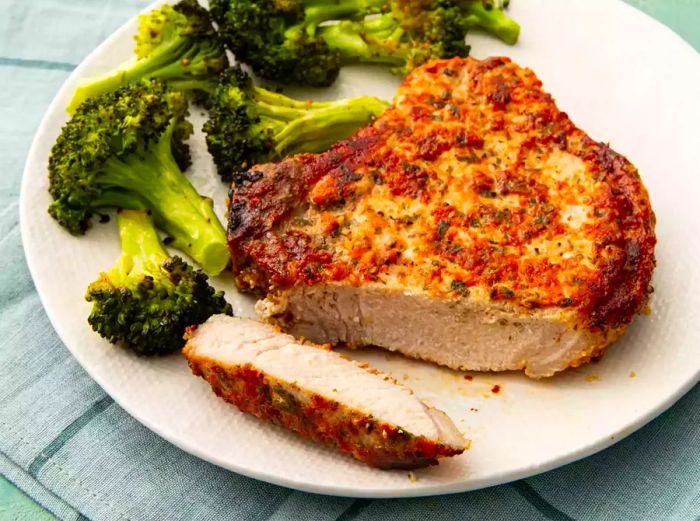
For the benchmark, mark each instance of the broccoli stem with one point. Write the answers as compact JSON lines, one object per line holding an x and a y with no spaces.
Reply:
{"x":493,"y":20}
{"x":117,"y":198}
{"x":274,"y":99}
{"x":375,"y":40}
{"x":320,"y":128}
{"x":164,"y":63}
{"x":317,"y":12}
{"x":325,"y":10}
{"x":187,"y":217}
{"x":301,"y":126}
{"x":192,"y":84}
{"x":142,"y":250}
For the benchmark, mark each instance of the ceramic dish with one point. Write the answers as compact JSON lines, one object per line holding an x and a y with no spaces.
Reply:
{"x":623,"y":78}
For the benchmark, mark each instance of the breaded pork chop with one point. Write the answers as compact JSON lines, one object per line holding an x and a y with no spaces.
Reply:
{"x":320,"y":394}
{"x":472,"y":225}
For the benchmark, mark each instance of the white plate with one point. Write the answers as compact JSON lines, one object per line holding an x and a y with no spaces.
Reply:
{"x":621,"y":76}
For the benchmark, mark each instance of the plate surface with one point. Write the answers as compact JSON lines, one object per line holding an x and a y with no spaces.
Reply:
{"x":623,"y":78}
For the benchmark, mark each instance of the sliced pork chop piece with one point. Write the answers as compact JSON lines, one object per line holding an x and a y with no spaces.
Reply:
{"x":319,"y":394}
{"x":472,"y":225}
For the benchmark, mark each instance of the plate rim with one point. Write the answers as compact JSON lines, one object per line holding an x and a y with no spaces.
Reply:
{"x":297,"y":484}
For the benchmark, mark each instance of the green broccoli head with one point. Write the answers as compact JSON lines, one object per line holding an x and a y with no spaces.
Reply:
{"x":303,"y":61}
{"x":126,"y":149}
{"x":232,"y":132}
{"x":249,"y":125}
{"x":176,"y":44}
{"x":121,"y":125}
{"x":439,"y":33}
{"x":148,"y":299}
{"x":109,"y":127}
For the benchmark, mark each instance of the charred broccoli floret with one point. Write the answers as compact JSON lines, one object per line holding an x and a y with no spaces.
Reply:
{"x":147,"y":299}
{"x":249,"y":125}
{"x":176,"y":44}
{"x":126,"y":149}
{"x":293,"y":42}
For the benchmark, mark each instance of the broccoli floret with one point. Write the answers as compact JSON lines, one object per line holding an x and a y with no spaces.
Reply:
{"x":249,"y":124}
{"x":176,"y":44}
{"x":416,"y":31}
{"x":277,"y":37}
{"x":147,"y":299}
{"x":412,"y":33}
{"x":290,"y":42}
{"x":490,"y":16}
{"x":125,"y":149}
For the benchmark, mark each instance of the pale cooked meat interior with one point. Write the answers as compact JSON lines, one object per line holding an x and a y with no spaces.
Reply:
{"x":321,"y":372}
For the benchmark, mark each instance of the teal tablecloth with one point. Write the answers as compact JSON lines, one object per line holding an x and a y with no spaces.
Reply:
{"x":77,"y":454}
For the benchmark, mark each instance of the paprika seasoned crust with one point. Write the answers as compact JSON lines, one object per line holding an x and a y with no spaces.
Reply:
{"x":472,"y":225}
{"x":319,"y":394}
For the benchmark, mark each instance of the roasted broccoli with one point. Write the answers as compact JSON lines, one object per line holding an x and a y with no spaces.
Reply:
{"x":409,"y":35}
{"x":126,"y":149}
{"x":308,"y":41}
{"x":176,"y":44}
{"x":276,"y":37}
{"x":249,"y":125}
{"x":490,"y":16}
{"x":147,"y":299}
